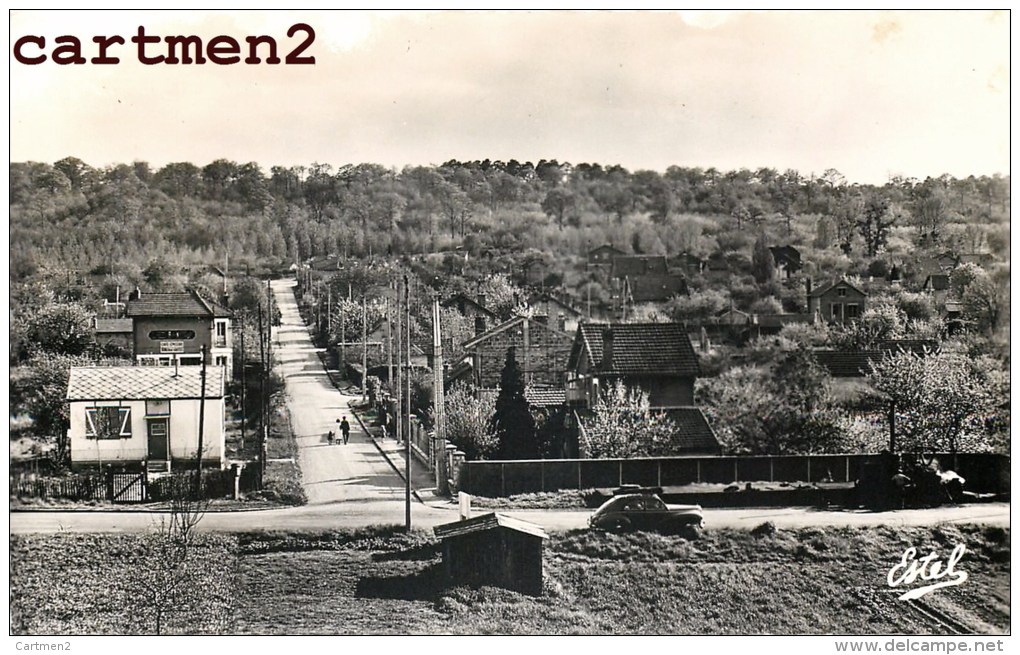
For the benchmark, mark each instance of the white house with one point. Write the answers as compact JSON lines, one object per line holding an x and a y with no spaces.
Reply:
{"x":145,"y":416}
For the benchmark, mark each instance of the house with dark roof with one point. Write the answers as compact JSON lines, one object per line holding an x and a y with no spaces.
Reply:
{"x":836,"y":302}
{"x":632,"y":266}
{"x":172,"y":328}
{"x":541,"y":351}
{"x":687,"y":264}
{"x":654,"y":288}
{"x":139,"y":416}
{"x":787,"y":259}
{"x":657,"y":358}
{"x":603,"y":255}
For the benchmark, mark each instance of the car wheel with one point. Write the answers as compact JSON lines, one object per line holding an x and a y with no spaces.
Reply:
{"x":690,"y":532}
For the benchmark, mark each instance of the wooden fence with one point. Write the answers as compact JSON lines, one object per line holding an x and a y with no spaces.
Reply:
{"x":983,"y":471}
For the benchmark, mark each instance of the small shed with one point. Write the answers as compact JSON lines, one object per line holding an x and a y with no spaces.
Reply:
{"x":494,"y":549}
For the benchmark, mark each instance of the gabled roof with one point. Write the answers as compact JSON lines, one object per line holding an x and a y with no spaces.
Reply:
{"x":143,"y":382}
{"x":693,"y":431}
{"x":545,"y":297}
{"x":605,"y":248}
{"x":858,"y":363}
{"x":634,"y":265}
{"x":656,"y":288}
{"x":638,"y":349}
{"x":114,"y":325}
{"x":188,"y":303}
{"x":506,"y":325}
{"x":545,"y":396}
{"x":458,"y":299}
{"x":936,"y":282}
{"x":488,"y":522}
{"x":825,"y":287}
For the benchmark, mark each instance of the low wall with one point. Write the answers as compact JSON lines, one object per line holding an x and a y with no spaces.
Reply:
{"x":984,"y":472}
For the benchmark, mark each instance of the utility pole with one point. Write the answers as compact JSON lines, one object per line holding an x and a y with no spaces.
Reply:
{"x":439,"y":395}
{"x":364,"y":348}
{"x":201,"y":428}
{"x":407,"y":441}
{"x":389,"y":345}
{"x":243,"y":382}
{"x":263,"y":412}
{"x":399,"y":371}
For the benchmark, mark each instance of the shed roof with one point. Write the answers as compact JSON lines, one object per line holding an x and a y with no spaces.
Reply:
{"x":143,"y":382}
{"x":188,"y":303}
{"x":488,"y":522}
{"x":639,"y":348}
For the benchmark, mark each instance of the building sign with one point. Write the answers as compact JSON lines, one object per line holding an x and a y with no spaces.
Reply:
{"x":171,"y":346}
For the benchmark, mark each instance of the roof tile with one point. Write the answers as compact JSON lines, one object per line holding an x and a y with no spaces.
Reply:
{"x":143,"y":382}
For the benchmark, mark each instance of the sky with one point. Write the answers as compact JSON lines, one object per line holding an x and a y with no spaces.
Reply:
{"x":870,"y":93}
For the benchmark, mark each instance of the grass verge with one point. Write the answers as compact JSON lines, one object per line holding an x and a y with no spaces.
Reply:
{"x":382,"y":581}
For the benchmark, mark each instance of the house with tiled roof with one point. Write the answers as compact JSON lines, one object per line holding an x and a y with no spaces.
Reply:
{"x":836,"y":302}
{"x":473,"y":308}
{"x":114,"y":335}
{"x":654,"y":288}
{"x":856,"y":363}
{"x":145,"y":416}
{"x":657,"y":358}
{"x":171,"y":329}
{"x":540,"y":349}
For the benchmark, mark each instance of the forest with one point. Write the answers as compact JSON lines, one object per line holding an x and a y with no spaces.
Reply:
{"x":81,"y":235}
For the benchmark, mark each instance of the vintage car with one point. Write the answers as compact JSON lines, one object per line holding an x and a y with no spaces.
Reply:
{"x":646,"y":511}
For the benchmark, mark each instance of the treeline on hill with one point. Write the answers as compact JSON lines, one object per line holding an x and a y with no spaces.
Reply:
{"x":81,"y":234}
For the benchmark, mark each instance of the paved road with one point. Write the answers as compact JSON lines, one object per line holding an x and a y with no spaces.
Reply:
{"x":356,"y":471}
{"x":360,"y":513}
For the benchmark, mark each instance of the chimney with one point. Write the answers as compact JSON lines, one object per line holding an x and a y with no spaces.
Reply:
{"x":481,"y":299}
{"x":135,"y":295}
{"x":561,"y":322}
{"x":607,"y":349}
{"x":479,"y":325}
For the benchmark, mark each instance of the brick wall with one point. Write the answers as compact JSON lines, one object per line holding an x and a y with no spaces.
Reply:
{"x":544,"y":362}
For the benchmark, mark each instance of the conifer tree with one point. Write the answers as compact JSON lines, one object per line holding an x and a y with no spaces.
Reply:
{"x":512,"y":421}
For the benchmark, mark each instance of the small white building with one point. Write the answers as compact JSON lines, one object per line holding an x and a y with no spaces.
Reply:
{"x":145,"y":416}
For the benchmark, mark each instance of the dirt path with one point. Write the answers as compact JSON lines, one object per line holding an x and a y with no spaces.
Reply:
{"x":356,"y":471}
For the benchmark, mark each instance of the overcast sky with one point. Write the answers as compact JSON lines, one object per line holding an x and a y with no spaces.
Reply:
{"x":871,"y":94}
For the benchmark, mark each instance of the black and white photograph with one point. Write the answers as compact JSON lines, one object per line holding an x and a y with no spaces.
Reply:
{"x":461,"y":322}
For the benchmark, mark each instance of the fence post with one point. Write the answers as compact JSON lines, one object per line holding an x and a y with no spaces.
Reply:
{"x":809,"y":468}
{"x":847,"y":458}
{"x":620,"y":474}
{"x":772,"y":471}
{"x":736,"y":473}
{"x":541,"y":471}
{"x":579,"y":474}
{"x":502,"y":480}
{"x":658,"y":473}
{"x":699,"y":470}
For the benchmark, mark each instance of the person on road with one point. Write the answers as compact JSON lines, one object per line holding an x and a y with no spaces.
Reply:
{"x":345,"y":429}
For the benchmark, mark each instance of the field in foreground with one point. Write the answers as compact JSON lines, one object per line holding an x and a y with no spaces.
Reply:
{"x":380,"y":581}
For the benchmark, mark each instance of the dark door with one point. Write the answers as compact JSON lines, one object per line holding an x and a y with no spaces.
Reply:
{"x":158,"y":443}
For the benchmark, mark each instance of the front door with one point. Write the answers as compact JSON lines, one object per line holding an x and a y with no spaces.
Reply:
{"x":158,"y":441}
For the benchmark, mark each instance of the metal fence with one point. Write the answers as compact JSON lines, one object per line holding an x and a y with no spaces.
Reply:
{"x":986,"y":472}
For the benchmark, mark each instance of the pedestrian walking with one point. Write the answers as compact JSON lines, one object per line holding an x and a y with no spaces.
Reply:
{"x":345,"y":429}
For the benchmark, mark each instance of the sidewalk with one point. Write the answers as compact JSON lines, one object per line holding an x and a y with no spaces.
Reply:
{"x":423,"y":482}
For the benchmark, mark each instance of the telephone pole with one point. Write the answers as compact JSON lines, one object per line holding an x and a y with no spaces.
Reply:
{"x":407,"y":441}
{"x":201,"y":428}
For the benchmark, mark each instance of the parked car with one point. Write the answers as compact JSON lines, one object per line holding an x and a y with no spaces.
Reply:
{"x":647,"y":511}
